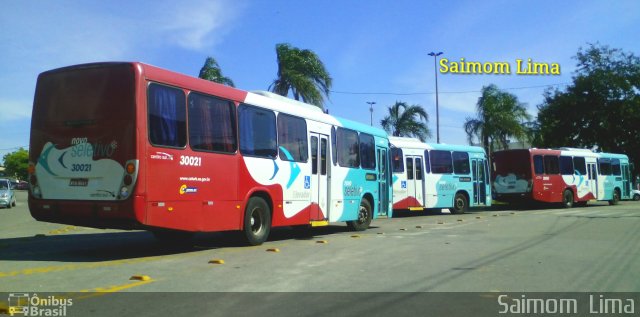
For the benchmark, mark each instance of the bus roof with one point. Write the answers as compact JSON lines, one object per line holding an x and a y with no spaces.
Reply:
{"x":307,"y":111}
{"x":613,"y":155}
{"x":404,"y":142}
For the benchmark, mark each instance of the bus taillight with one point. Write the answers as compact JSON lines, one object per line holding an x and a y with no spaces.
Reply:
{"x":128,"y":179}
{"x":131,"y":168}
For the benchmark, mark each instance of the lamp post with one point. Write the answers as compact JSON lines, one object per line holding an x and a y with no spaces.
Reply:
{"x":435,"y":69}
{"x":371,"y":103}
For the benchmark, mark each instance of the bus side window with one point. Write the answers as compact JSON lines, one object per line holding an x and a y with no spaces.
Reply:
{"x":551,"y":165}
{"x":292,"y":138}
{"x":418,"y":168}
{"x":615,"y":167}
{"x":212,"y":124}
{"x":579,"y":166}
{"x":334,"y":147}
{"x":314,"y":155}
{"x":167,"y":112}
{"x":427,"y":164}
{"x":348,"y":148}
{"x":482,"y":174}
{"x":538,"y":165}
{"x":566,"y":165}
{"x":323,"y":157}
{"x":441,"y":162}
{"x":409,"y":168}
{"x":461,"y":163}
{"x":604,"y":166}
{"x":367,"y":151}
{"x":257,"y":132}
{"x":396,"y":160}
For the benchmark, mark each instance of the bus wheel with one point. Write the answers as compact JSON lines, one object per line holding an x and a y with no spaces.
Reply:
{"x":460,"y":204}
{"x":567,"y":199}
{"x":257,"y":221}
{"x":616,"y":197}
{"x":364,"y":217}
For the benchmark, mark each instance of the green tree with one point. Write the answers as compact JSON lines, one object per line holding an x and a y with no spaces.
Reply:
{"x":405,"y":120}
{"x":601,"y":107}
{"x":16,"y":164}
{"x":211,"y":71}
{"x":500,"y":117}
{"x":303,"y":73}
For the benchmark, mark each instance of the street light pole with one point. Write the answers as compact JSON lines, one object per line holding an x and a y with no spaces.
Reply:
{"x":371,"y":103}
{"x":435,"y":69}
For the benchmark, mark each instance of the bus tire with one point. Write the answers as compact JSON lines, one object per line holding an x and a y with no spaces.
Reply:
{"x":257,"y":221}
{"x":460,"y":204}
{"x":364,"y":217}
{"x":567,"y":198}
{"x":616,"y":197}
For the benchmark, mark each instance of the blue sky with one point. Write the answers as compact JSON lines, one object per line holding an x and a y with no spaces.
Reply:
{"x":369,"y":47}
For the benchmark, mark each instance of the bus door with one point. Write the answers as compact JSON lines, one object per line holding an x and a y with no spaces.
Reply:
{"x":415,"y":180}
{"x":479,"y":178}
{"x":319,"y":180}
{"x":383,"y":181}
{"x":593,"y":178}
{"x":626,"y":181}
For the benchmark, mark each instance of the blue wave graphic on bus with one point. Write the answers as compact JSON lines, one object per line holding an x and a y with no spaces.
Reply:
{"x":581,"y":178}
{"x":44,"y":160}
{"x":295,"y":169}
{"x":275,"y":170}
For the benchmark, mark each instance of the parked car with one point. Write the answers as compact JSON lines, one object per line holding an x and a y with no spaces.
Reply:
{"x":7,"y":196}
{"x":22,"y":185}
{"x":635,"y":194}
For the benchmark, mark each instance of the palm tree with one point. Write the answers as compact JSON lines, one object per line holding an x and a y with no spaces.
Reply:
{"x":405,"y":120}
{"x":211,"y":71}
{"x":302,"y":72}
{"x":500,"y":116}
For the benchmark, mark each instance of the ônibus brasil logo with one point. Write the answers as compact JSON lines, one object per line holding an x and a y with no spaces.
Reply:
{"x":24,"y":304}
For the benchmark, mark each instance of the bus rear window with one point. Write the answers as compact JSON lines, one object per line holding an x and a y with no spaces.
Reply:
{"x":517,"y":162}
{"x":85,"y":96}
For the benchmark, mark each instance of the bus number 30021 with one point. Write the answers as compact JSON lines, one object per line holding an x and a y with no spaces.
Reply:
{"x":81,"y":167}
{"x":190,"y":160}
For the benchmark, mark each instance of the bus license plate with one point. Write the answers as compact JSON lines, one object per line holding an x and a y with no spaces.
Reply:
{"x":79,"y":182}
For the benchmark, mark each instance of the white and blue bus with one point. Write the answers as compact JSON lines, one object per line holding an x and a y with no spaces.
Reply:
{"x":615,"y":176}
{"x":438,"y":176}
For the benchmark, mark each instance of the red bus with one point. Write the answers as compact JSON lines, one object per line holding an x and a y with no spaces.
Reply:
{"x":567,"y":175}
{"x":132,"y":146}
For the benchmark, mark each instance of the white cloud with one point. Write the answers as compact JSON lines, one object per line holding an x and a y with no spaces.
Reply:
{"x":199,"y":25}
